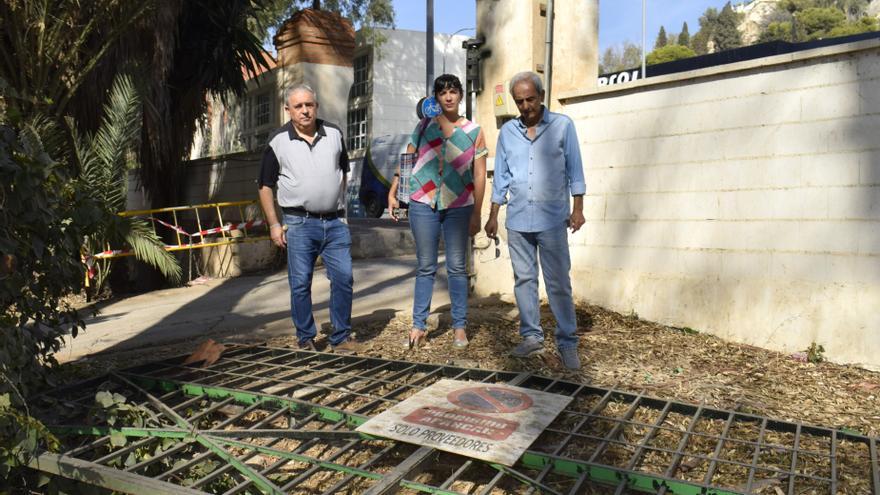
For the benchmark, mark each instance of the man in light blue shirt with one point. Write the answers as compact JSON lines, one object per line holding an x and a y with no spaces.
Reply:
{"x":537,"y":167}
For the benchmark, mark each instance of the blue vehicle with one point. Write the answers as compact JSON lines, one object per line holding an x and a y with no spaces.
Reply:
{"x":377,"y":169}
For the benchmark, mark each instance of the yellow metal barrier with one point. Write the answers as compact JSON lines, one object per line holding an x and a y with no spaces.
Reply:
{"x":199,"y":238}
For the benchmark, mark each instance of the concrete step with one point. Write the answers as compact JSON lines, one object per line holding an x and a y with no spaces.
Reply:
{"x":380,"y":238}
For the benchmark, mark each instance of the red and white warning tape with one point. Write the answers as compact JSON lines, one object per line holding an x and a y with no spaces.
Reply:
{"x":228,"y":227}
{"x":89,"y":260}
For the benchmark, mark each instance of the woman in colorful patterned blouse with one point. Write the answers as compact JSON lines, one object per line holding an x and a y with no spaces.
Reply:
{"x":446,"y":196}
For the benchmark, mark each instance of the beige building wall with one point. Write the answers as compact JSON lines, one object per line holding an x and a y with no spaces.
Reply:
{"x":740,"y":200}
{"x":331,"y":83}
{"x":515,"y":40}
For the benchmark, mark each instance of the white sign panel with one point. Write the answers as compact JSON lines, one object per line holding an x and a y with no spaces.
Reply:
{"x":491,"y":422}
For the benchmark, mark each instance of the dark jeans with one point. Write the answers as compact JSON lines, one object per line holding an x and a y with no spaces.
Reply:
{"x":306,"y":239}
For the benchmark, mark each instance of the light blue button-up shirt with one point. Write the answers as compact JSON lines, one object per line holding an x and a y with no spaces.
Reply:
{"x":539,"y":175}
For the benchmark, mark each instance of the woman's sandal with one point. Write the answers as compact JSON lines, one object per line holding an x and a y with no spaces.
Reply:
{"x":417,"y":341}
{"x":459,"y":343}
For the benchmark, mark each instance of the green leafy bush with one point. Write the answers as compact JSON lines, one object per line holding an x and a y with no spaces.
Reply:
{"x":669,"y":53}
{"x":56,"y":206}
{"x":43,"y":220}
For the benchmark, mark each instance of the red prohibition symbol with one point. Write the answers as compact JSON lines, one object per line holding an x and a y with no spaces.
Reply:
{"x":490,"y":399}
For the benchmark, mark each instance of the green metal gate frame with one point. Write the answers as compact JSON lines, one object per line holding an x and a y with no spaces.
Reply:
{"x":270,"y":420}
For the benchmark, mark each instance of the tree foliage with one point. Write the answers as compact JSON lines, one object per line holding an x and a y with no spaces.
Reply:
{"x":854,"y":9}
{"x":726,"y":34}
{"x":816,"y":22}
{"x":62,"y":56}
{"x":51,"y":214}
{"x":804,"y":20}
{"x":669,"y":53}
{"x":708,"y":25}
{"x":105,"y":159}
{"x":661,"y":40}
{"x":863,"y":25}
{"x":684,"y":37}
{"x":361,"y":13}
{"x":65,"y":154}
{"x":43,"y":220}
{"x":620,"y":57}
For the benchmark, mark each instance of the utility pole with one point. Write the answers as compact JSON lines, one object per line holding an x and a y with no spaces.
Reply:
{"x":429,"y":47}
{"x":644,"y":36}
{"x":548,"y":54}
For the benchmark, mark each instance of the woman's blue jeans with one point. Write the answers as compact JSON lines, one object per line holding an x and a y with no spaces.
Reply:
{"x":427,"y":224}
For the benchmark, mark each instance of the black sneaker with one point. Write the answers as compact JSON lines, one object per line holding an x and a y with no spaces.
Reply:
{"x":307,"y":345}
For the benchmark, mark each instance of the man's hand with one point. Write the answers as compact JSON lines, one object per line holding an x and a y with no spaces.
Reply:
{"x":576,"y":220}
{"x":276,"y":232}
{"x":474,"y":227}
{"x":393,"y":204}
{"x":492,"y":223}
{"x":491,"y":227}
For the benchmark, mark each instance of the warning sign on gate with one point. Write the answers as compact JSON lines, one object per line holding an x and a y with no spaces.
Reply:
{"x":492,"y":422}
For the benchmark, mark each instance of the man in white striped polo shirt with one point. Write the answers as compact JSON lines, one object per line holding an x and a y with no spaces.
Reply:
{"x":307,"y":161}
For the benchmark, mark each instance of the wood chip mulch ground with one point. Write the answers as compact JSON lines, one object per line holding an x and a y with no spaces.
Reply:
{"x":620,"y":352}
{"x":617,"y":351}
{"x":634,"y":355}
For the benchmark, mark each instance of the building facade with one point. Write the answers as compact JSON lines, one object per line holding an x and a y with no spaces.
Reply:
{"x":389,"y":81}
{"x":370,"y":89}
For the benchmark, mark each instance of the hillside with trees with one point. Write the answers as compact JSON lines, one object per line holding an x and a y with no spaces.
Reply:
{"x":753,"y":22}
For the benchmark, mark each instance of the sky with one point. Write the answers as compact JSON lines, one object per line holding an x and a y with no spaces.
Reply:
{"x":619,"y":20}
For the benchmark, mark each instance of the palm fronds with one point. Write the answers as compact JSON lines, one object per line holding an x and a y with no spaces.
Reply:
{"x":105,"y":160}
{"x":147,"y":247}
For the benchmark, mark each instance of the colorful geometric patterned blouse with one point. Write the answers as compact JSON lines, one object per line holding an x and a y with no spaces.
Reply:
{"x":450,"y":157}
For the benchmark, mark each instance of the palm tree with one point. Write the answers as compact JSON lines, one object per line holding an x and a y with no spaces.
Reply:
{"x":105,"y":159}
{"x":62,"y":56}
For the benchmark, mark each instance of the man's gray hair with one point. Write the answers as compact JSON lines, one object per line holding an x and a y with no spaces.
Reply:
{"x":527,"y":76}
{"x":298,"y":87}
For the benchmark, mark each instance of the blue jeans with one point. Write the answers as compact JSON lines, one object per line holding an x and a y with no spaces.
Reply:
{"x":306,"y":239}
{"x":427,"y":224}
{"x":552,"y":246}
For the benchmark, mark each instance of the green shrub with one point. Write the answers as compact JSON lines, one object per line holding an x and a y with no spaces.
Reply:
{"x":669,"y":53}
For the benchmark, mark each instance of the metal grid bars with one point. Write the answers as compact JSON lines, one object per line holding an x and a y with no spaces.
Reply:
{"x":266,"y":420}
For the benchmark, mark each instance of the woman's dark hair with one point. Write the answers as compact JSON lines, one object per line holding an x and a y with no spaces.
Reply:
{"x":447,"y":81}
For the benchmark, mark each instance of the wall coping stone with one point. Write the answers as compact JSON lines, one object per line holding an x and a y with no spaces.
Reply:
{"x":580,"y":95}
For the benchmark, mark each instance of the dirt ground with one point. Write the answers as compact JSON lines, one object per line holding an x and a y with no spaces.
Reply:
{"x":619,"y":352}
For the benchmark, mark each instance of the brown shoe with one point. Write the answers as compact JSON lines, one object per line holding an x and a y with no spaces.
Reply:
{"x":348,"y":346}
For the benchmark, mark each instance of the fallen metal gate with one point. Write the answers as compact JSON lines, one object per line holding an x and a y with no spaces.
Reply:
{"x":270,"y":420}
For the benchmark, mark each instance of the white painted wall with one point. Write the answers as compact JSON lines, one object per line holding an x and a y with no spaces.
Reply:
{"x":741,"y":200}
{"x":398,"y":77}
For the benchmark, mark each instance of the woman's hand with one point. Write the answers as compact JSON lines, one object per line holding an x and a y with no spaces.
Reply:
{"x":393,"y":205}
{"x":474,"y":227}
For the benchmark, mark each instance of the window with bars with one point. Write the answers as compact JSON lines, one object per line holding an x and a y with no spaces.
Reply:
{"x":262,"y":110}
{"x":357,"y":128}
{"x":361,"y":76}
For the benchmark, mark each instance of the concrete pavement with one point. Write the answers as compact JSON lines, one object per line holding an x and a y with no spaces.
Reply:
{"x":252,"y":307}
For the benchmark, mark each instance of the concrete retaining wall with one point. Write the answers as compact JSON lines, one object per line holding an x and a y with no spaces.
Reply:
{"x":741,"y":200}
